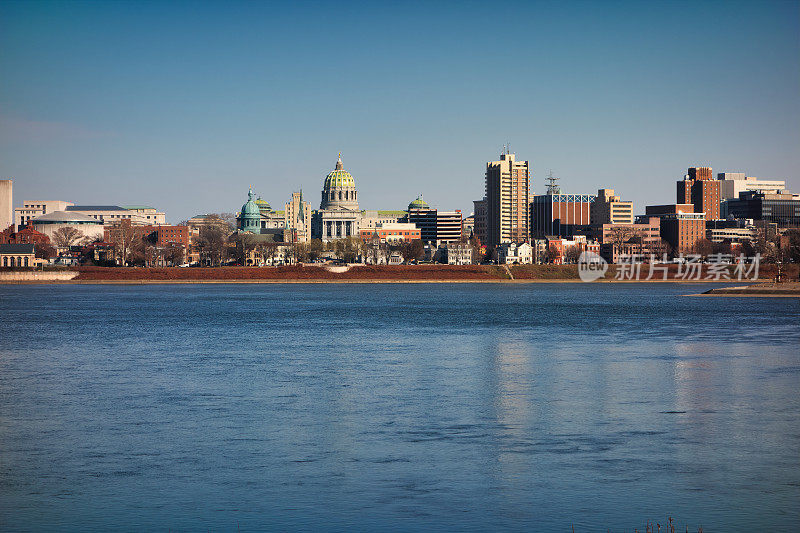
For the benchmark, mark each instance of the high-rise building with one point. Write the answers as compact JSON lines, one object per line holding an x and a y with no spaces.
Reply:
{"x":559,"y":214}
{"x":6,"y":204}
{"x":298,"y":217}
{"x":507,"y":200}
{"x":699,"y":188}
{"x":610,"y":209}
{"x":479,"y":209}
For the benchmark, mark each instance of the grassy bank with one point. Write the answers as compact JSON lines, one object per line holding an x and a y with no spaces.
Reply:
{"x":386,"y":273}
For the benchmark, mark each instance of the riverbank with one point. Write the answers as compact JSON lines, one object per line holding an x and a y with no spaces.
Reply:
{"x":770,"y":290}
{"x":384,"y":274}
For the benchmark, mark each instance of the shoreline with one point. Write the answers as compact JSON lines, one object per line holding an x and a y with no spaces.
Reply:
{"x":347,"y":281}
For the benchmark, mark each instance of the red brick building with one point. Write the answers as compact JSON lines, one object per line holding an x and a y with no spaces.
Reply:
{"x":702,"y":190}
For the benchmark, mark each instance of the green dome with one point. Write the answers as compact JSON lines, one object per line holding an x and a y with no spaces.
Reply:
{"x":419,"y":203}
{"x":251,"y":207}
{"x":339,"y":177}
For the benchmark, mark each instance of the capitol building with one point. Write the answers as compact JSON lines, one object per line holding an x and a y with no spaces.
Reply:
{"x":339,"y":216}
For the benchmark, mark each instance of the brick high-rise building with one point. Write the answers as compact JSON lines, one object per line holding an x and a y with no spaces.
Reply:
{"x":507,"y":200}
{"x":699,"y":187}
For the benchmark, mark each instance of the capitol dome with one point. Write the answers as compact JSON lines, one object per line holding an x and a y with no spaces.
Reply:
{"x":419,"y":203}
{"x":339,"y":189}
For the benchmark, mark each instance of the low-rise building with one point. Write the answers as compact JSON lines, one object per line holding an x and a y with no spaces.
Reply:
{"x":108,"y":214}
{"x":511,"y":253}
{"x":17,"y":255}
{"x":457,"y":253}
{"x":89,"y":228}
{"x":392,"y":233}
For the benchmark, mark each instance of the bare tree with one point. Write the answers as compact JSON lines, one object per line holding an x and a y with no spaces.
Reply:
{"x":620,"y":237}
{"x":552,"y":253}
{"x":572,"y":254}
{"x":66,"y":236}
{"x":213,"y":239}
{"x":124,"y":237}
{"x":174,"y":253}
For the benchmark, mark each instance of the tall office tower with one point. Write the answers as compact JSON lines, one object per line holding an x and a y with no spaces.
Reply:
{"x":507,"y":199}
{"x":6,"y":204}
{"x":699,"y":187}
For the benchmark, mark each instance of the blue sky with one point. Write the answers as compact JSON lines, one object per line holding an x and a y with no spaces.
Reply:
{"x":184,"y":105}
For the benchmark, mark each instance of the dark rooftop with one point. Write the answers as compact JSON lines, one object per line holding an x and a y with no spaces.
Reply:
{"x":95,"y":208}
{"x":16,"y":248}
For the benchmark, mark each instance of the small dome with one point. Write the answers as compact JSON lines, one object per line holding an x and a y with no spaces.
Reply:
{"x":339,"y":177}
{"x":251,"y":207}
{"x":419,"y":203}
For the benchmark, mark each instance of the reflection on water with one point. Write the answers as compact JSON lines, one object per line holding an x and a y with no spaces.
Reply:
{"x":397,"y":407}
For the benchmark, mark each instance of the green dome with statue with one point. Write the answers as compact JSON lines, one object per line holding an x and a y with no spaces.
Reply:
{"x":419,"y":203}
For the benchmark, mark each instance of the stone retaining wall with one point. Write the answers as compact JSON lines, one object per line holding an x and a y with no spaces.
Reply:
{"x":14,"y":276}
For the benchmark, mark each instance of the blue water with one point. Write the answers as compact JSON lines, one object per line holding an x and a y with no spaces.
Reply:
{"x":400,"y":407}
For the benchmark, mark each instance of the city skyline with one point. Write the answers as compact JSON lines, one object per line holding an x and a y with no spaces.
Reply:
{"x":169,"y":106}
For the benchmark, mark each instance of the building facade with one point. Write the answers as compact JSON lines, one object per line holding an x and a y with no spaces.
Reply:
{"x":297,"y":215}
{"x":507,"y":200}
{"x":392,"y":233}
{"x":560,"y":214}
{"x":781,"y":209}
{"x":17,"y":255}
{"x":700,"y":189}
{"x":37,"y":208}
{"x":479,"y":212}
{"x":339,"y":216}
{"x":6,"y":204}
{"x":89,"y":228}
{"x":610,"y":209}
{"x":733,"y":183}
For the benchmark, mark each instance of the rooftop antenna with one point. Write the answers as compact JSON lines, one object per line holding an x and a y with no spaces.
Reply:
{"x":552,"y":185}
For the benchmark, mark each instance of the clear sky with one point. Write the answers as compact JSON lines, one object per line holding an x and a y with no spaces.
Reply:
{"x":184,"y":105}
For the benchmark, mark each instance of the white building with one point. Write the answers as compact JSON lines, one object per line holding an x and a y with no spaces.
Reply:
{"x":89,"y":227}
{"x":32,"y":209}
{"x":114,"y":213}
{"x":732,"y":183}
{"x":6,"y":204}
{"x":457,"y":253}
{"x":512,"y":253}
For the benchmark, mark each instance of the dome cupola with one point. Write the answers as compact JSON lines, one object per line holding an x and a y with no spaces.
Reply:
{"x":339,"y":189}
{"x":419,"y":203}
{"x":250,"y":217}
